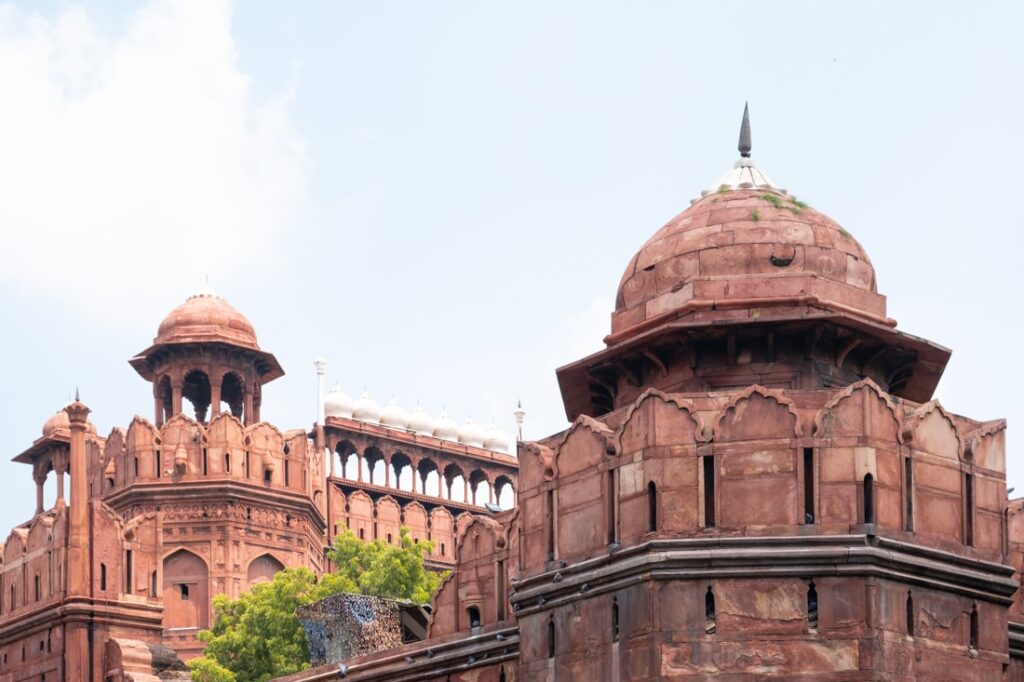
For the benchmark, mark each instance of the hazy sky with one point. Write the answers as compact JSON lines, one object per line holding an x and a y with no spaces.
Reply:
{"x":440,"y":198}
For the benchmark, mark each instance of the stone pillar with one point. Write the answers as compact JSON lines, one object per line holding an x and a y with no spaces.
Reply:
{"x":465,"y":489}
{"x":176,"y":388}
{"x":359,"y":467}
{"x":39,"y":476}
{"x":60,"y":467}
{"x":158,"y":409}
{"x":248,"y":415}
{"x":490,"y":491}
{"x":387,"y":472}
{"x":214,"y":398}
{"x":76,"y":648}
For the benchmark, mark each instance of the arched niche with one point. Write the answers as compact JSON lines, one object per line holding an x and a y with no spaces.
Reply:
{"x":186,"y":591}
{"x":262,"y":569}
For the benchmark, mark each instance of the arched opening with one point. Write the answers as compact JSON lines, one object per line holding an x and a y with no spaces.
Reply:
{"x":812,"y":606}
{"x":454,"y":483}
{"x":710,"y":618}
{"x":401,"y":466}
{"x":196,"y":390}
{"x":164,"y":399}
{"x":652,"y":507}
{"x":186,"y":591}
{"x":232,"y":394}
{"x":227,"y":462}
{"x":910,"y":613}
{"x":504,"y":492}
{"x":551,"y":637}
{"x":373,"y":473}
{"x":473,"y":616}
{"x":615,"y":619}
{"x":430,"y":479}
{"x":263,"y":569}
{"x":103,"y":576}
{"x":869,"y":498}
{"x":347,"y":458}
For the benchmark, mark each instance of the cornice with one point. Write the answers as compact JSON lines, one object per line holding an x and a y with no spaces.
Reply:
{"x":759,"y":557}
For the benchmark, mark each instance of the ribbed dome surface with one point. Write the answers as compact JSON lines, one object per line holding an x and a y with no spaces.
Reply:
{"x":207,"y":317}
{"x":744,"y":244}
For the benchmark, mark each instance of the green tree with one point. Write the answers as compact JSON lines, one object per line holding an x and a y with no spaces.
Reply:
{"x":385,"y":570}
{"x":258,"y":637}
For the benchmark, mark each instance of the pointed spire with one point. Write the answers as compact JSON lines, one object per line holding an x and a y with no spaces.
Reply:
{"x":77,"y":400}
{"x":745,"y":145}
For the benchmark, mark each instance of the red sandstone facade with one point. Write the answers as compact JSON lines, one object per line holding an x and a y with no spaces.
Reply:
{"x":757,"y":484}
{"x":165,"y":514}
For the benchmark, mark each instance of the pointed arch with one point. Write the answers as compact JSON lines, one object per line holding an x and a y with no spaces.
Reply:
{"x":731,"y":420}
{"x":932,"y":429}
{"x":263,"y":568}
{"x":186,"y":590}
{"x":671,"y":418}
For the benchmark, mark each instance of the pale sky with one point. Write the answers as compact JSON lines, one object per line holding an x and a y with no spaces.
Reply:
{"x":440,"y":198}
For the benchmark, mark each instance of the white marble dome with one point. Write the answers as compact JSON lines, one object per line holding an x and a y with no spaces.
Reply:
{"x":470,"y":433}
{"x":367,"y":410}
{"x":445,"y":428}
{"x":420,"y":422}
{"x":495,"y":439}
{"x":338,"y":403}
{"x":394,"y":416}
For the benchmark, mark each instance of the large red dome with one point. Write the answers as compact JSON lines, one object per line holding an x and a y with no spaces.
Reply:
{"x":746,"y":248}
{"x":205,"y":318}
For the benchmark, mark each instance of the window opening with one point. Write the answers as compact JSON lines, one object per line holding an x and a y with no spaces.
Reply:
{"x":615,"y":619}
{"x":709,"y":491}
{"x":809,"y":485}
{"x":812,"y":606}
{"x":652,"y":507}
{"x":869,"y":498}
{"x":710,"y":625}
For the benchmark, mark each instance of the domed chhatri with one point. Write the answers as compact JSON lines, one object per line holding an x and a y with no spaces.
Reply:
{"x":746,"y":244}
{"x":338,"y":404}
{"x":206,"y":317}
{"x":749,"y":285}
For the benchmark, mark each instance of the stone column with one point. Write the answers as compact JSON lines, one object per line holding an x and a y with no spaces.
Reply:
{"x":176,"y":389}
{"x":39,"y":476}
{"x":248,"y":415}
{"x":387,"y":472}
{"x":60,"y":467}
{"x":158,"y":409}
{"x":214,"y":398}
{"x":465,"y":489}
{"x":490,"y":491}
{"x":359,"y":467}
{"x":76,"y":648}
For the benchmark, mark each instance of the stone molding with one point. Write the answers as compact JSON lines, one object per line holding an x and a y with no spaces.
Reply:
{"x":757,"y":557}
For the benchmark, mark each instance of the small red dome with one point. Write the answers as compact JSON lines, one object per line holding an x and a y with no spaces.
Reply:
{"x":207,"y":317}
{"x":746,"y":245}
{"x":62,"y":422}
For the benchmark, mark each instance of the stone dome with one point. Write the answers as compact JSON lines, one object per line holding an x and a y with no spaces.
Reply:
{"x":338,"y":403}
{"x":445,"y":428}
{"x":61,"y":421}
{"x":470,"y":433}
{"x":749,"y":246}
{"x":206,"y":317}
{"x":366,"y":409}
{"x":420,"y":422}
{"x":495,"y":439}
{"x":394,"y":416}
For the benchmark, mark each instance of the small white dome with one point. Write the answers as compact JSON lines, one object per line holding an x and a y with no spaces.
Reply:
{"x":420,"y":422}
{"x":394,"y":416}
{"x":445,"y":428}
{"x":366,"y":409}
{"x":495,"y":439}
{"x":470,"y":433}
{"x":338,"y":403}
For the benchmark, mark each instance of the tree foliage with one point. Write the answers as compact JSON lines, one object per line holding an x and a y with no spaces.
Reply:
{"x":258,"y":637}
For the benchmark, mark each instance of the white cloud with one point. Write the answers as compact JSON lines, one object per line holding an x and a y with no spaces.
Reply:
{"x":132,"y":162}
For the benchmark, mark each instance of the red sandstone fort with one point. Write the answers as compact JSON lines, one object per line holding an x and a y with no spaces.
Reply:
{"x":757,"y":484}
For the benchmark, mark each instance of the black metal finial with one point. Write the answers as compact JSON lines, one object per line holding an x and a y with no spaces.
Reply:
{"x":745,"y":132}
{"x":76,"y":394}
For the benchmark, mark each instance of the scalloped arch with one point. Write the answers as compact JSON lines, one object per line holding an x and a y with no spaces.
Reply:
{"x":746,"y":394}
{"x":700,"y":431}
{"x":922,"y":413}
{"x":867,"y":385}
